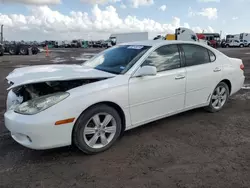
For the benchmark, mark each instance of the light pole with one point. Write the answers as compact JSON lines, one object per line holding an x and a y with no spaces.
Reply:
{"x":1,"y":36}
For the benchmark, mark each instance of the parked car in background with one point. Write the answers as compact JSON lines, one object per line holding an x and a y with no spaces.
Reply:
{"x":235,"y":43}
{"x":97,"y":44}
{"x":245,"y":37}
{"x":90,"y":44}
{"x":59,"y":44}
{"x":75,"y":44}
{"x":123,"y":87}
{"x":66,"y":44}
{"x":246,"y":43}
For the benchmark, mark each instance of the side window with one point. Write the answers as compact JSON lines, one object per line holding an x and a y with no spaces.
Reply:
{"x":195,"y":55}
{"x":164,"y":58}
{"x":212,"y":56}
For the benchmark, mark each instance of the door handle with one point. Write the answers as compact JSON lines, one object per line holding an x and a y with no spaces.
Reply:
{"x":217,"y":69}
{"x":178,"y":77}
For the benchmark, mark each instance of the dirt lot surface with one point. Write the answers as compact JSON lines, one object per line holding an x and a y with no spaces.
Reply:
{"x":192,"y":149}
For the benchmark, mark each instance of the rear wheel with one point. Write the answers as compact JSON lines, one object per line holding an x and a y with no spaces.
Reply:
{"x":97,"y":129}
{"x":241,"y":45}
{"x":219,"y":98}
{"x":227,"y":46}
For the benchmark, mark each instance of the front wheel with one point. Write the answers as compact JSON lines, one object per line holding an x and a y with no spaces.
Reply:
{"x":219,"y":98}
{"x":97,"y":129}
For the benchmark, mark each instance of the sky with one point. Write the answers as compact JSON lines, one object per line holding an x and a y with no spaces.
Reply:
{"x":97,"y":19}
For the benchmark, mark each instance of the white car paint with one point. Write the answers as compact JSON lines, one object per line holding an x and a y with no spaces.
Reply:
{"x":142,"y":99}
{"x":42,"y":73}
{"x":145,"y":106}
{"x":236,"y":43}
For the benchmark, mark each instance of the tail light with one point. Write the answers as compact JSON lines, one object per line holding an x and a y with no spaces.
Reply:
{"x":242,"y":66}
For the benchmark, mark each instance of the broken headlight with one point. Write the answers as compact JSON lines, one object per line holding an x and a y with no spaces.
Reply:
{"x":41,"y":103}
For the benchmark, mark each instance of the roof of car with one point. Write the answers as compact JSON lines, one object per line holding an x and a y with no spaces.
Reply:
{"x":158,"y":42}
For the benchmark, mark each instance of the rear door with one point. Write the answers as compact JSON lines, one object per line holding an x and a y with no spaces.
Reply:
{"x":203,"y":74}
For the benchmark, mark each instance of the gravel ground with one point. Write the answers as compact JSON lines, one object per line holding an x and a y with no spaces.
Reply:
{"x":192,"y":149}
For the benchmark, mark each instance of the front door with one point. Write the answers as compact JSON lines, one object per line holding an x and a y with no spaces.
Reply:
{"x":153,"y":97}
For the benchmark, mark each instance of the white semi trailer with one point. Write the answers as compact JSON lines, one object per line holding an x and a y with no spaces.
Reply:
{"x":119,"y":38}
{"x":185,"y":34}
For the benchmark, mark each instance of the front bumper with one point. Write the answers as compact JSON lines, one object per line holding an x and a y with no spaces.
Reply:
{"x":37,"y":131}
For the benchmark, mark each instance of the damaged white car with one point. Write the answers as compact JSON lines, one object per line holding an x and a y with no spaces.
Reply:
{"x":126,"y":86}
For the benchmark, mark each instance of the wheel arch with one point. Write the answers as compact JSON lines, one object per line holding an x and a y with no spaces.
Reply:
{"x":111,"y":104}
{"x":229,"y":84}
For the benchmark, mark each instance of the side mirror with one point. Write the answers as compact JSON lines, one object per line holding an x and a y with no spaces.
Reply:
{"x":146,"y":71}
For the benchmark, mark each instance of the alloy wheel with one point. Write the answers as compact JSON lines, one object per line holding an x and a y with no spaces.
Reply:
{"x":99,"y":130}
{"x":219,"y":97}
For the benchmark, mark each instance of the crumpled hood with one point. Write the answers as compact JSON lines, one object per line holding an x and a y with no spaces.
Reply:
{"x":43,"y":73}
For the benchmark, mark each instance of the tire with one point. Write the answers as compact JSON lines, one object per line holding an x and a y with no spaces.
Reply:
{"x":24,"y":50}
{"x":34,"y":50}
{"x":83,"y":140}
{"x":12,"y":50}
{"x":227,"y":46}
{"x":222,"y":98}
{"x":248,"y":45}
{"x":241,"y":46}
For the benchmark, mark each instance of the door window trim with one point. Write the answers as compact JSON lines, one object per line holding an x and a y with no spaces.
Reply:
{"x":184,"y":57}
{"x":182,"y":64}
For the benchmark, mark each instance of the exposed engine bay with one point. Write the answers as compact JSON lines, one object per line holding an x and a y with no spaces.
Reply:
{"x":34,"y":90}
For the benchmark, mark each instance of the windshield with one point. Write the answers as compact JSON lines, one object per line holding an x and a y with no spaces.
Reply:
{"x":117,"y":60}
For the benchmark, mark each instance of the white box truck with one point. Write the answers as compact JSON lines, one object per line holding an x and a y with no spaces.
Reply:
{"x":229,"y":38}
{"x":245,"y":38}
{"x":119,"y":38}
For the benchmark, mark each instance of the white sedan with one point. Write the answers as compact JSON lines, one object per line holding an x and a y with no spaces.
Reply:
{"x":126,"y":86}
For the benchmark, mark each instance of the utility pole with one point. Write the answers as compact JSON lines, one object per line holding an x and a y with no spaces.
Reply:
{"x":1,"y":36}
